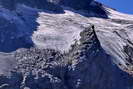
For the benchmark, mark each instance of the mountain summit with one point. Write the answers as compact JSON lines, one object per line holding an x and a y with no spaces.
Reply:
{"x":64,"y":44}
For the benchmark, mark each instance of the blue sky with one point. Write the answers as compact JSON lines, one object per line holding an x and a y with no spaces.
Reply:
{"x":125,"y":6}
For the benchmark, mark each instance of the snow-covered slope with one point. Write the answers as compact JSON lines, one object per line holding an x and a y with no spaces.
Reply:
{"x":115,"y":33}
{"x":69,"y":49}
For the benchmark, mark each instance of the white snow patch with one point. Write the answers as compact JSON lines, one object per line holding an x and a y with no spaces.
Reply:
{"x":118,"y":15}
{"x":7,"y":63}
{"x":58,"y":31}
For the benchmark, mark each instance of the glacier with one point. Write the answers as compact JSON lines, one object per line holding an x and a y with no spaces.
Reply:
{"x":57,"y":45}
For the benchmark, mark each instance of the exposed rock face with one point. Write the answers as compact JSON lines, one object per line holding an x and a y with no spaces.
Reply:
{"x":43,"y":48}
{"x":77,"y":4}
{"x":40,"y":4}
{"x":44,"y":3}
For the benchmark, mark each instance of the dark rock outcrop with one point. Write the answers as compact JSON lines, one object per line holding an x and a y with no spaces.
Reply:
{"x":40,"y":4}
{"x":76,"y":4}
